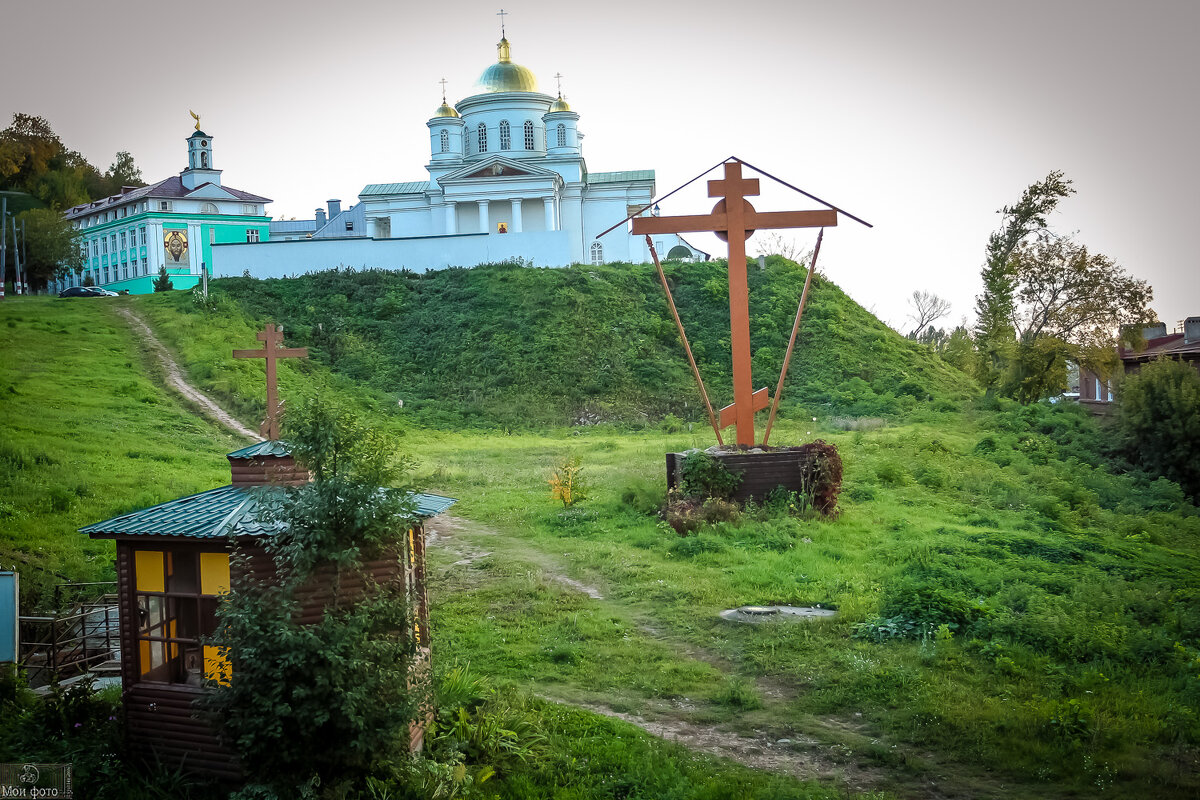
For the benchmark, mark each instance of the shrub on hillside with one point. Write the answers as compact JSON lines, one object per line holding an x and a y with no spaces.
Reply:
{"x":1160,"y":418}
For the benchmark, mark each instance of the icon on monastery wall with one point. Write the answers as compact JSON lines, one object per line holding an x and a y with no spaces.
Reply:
{"x":501,"y":227}
{"x":176,"y":245}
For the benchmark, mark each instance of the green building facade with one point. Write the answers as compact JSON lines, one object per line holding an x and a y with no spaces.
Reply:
{"x":128,"y":237}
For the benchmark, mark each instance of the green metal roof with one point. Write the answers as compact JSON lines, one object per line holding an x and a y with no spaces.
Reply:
{"x":621,"y":177}
{"x":218,"y":514}
{"x":271,"y":447}
{"x":408,"y":187}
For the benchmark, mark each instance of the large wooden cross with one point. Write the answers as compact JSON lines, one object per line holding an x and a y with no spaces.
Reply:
{"x":272,"y":338}
{"x":734,"y":220}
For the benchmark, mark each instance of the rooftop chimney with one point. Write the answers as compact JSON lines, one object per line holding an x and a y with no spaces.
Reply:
{"x":335,"y":207}
{"x":1191,"y":329}
{"x":266,"y":464}
{"x":320,"y":218}
{"x":1155,"y":331}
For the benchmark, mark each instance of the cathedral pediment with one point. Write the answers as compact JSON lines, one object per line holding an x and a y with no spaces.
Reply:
{"x":497,"y":168}
{"x":210,"y":191}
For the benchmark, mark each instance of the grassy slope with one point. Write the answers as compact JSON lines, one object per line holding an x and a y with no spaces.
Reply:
{"x":1076,"y":592}
{"x":87,"y":435}
{"x":1073,"y":593}
{"x":507,"y":345}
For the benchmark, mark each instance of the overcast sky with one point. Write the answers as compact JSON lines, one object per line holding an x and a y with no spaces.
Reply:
{"x":923,"y":117}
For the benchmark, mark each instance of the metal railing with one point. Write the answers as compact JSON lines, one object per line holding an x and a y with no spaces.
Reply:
{"x":74,"y":641}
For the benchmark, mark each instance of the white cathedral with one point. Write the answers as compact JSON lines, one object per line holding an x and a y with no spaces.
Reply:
{"x":507,"y":179}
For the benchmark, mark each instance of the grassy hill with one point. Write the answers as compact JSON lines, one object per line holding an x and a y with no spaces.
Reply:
{"x":1017,"y":615}
{"x":509,"y":345}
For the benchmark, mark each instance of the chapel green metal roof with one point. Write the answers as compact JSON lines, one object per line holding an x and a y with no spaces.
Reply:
{"x":408,"y":187}
{"x":621,"y":177}
{"x":271,"y":447}
{"x":218,"y":514}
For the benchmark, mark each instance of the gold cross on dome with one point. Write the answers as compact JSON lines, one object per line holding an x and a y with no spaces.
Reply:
{"x":272,"y":338}
{"x":443,"y":83}
{"x":558,"y":78}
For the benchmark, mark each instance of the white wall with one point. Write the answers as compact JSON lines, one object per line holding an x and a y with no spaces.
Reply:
{"x":281,"y":259}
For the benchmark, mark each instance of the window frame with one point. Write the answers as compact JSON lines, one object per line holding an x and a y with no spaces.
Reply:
{"x":505,"y":135}
{"x":481,"y":133}
{"x":530,"y":142}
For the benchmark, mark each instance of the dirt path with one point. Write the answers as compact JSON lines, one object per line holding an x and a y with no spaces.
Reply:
{"x":797,"y":755}
{"x":176,"y":380}
{"x":828,"y":749}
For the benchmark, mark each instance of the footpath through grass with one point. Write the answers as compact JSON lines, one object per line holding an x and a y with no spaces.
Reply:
{"x":1011,"y":612}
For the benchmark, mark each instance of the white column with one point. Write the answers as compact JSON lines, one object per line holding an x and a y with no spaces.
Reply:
{"x":484,"y":226}
{"x":515,"y":227}
{"x":549,"y":202}
{"x":451,"y":217}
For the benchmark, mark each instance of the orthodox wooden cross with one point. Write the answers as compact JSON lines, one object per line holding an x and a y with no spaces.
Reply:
{"x":272,"y":338}
{"x":734,"y":220}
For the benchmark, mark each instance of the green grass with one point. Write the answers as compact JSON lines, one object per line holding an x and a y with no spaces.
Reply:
{"x":87,"y":435}
{"x":1050,"y":604}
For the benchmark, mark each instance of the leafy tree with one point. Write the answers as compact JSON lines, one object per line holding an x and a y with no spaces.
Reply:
{"x":1159,"y":413}
{"x":123,"y":172}
{"x":53,"y":246}
{"x":325,"y":704}
{"x":994,"y":332}
{"x":959,"y":350}
{"x":163,"y":282}
{"x":1075,"y":298}
{"x":34,"y":159}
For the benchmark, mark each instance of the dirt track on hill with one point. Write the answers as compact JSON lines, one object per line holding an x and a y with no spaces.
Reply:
{"x":176,"y":380}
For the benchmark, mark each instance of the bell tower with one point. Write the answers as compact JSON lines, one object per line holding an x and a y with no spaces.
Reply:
{"x":200,"y":168}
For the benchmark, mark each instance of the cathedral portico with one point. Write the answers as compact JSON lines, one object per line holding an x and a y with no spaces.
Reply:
{"x":506,"y":175}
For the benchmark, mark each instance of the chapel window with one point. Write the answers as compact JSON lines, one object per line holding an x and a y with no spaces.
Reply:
{"x":597,"y":253}
{"x":208,"y":208}
{"x":529,"y":135}
{"x":445,"y":140}
{"x":251,"y":234}
{"x":176,"y":593}
{"x":505,"y":136}
{"x":482,"y":138}
{"x":562,"y":135}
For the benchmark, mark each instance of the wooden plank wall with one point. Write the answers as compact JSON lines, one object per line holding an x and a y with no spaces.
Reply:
{"x":761,"y":472}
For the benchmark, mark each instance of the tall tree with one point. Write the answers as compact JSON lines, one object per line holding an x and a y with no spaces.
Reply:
{"x":1070,"y":306}
{"x":995,"y":336}
{"x":53,"y":246}
{"x":927,"y":308}
{"x":1160,"y":417}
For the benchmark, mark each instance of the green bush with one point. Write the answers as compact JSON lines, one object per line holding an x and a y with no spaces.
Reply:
{"x":1159,"y":413}
{"x":705,"y":476}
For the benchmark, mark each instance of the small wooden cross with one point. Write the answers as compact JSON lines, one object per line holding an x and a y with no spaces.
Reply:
{"x":272,"y":338}
{"x":734,"y":220}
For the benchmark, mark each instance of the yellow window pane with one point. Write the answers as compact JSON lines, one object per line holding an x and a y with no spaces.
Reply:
{"x":144,"y":656}
{"x":216,"y":665}
{"x":214,"y":573}
{"x":148,"y":571}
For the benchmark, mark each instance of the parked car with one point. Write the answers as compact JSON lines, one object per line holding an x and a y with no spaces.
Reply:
{"x":86,"y":291}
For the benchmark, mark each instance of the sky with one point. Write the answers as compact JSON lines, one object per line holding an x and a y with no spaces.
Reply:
{"x":922,"y":117}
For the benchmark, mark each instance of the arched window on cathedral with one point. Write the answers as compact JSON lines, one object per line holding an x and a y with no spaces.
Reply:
{"x":529,"y":135}
{"x":445,"y":137}
{"x":208,"y":208}
{"x":562,"y":135}
{"x":505,"y":136}
{"x":597,"y":253}
{"x":482,"y":138}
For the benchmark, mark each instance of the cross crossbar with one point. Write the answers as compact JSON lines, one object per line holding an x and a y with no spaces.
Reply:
{"x":734,"y":219}
{"x":272,"y":338}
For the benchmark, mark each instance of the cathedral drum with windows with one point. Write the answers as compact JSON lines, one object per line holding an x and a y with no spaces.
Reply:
{"x":507,"y":159}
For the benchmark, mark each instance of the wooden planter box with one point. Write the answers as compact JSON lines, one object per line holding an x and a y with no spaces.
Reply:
{"x":761,"y":472}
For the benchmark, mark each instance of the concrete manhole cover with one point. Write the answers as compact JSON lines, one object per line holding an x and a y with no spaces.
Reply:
{"x":755,"y":614}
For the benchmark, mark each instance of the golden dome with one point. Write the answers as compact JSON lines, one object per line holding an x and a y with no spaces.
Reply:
{"x":505,"y":76}
{"x":444,"y":110}
{"x":559,"y":105}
